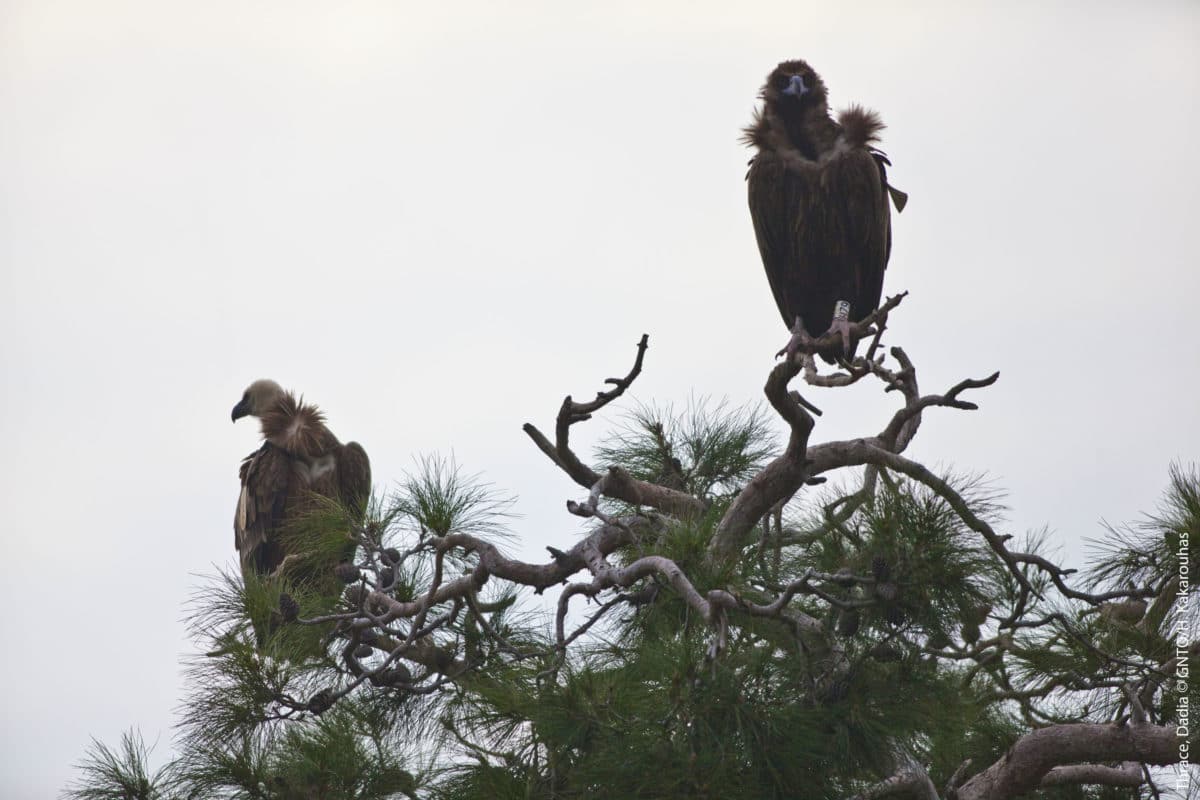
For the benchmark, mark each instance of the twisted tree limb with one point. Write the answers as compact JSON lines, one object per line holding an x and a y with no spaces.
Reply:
{"x":1068,"y":753}
{"x":779,"y":479}
{"x":911,"y":782}
{"x":620,"y":484}
{"x":1094,"y":774}
{"x":1056,"y":754}
{"x":801,"y":462}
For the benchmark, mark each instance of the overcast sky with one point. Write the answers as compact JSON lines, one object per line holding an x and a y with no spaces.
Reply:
{"x":435,"y":222}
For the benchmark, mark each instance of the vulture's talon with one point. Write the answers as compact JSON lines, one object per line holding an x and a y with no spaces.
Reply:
{"x":842,"y":328}
{"x":799,"y":342}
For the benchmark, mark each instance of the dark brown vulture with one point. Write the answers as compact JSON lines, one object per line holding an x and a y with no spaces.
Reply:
{"x":819,"y":201}
{"x":299,"y":458}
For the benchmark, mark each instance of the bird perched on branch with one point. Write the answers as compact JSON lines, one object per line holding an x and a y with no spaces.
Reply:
{"x":299,"y":461}
{"x":819,"y":202}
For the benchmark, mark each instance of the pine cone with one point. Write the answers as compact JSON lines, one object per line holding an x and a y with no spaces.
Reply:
{"x":363,"y":651}
{"x":289,"y":609}
{"x":355,"y":595}
{"x":320,"y":702}
{"x":848,"y":622}
{"x":970,"y":633}
{"x":395,"y":676}
{"x":391,"y":556}
{"x":844,"y":577}
{"x":977,"y":615}
{"x":346,"y":572}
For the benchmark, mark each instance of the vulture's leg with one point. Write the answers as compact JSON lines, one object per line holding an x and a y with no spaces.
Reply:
{"x":800,"y":340}
{"x":841,"y":326}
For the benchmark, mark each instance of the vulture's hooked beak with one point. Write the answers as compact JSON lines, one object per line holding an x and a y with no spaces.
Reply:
{"x":796,"y":87}
{"x":241,"y":409}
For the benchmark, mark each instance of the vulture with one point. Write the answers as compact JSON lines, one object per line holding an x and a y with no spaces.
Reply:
{"x":299,"y":459}
{"x":818,"y":195}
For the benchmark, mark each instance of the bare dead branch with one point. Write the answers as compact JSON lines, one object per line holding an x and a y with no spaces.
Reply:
{"x":1129,"y":774}
{"x":581,"y":411}
{"x":620,"y":484}
{"x":948,"y":400}
{"x":911,"y":782}
{"x":782,"y":477}
{"x":1057,"y":752}
{"x":956,"y":780}
{"x":1028,"y":762}
{"x":800,"y":463}
{"x":864,"y":328}
{"x":1057,"y":573}
{"x":860,"y":367}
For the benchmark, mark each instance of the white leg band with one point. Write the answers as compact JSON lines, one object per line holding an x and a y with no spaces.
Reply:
{"x":841,"y":310}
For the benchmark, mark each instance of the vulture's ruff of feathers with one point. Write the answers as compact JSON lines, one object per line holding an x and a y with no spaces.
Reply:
{"x":819,"y":201}
{"x":299,"y":458}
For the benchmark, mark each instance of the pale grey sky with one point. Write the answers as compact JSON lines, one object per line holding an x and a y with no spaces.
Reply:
{"x":437,"y":222}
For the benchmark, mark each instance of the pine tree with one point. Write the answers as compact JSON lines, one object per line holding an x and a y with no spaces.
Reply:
{"x":731,"y":626}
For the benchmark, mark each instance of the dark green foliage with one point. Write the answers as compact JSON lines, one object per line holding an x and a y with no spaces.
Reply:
{"x":121,"y":774}
{"x":709,"y":450}
{"x":659,"y":720}
{"x":1138,"y":553}
{"x":931,"y":571}
{"x":904,"y":654}
{"x":650,"y":715}
{"x":236,"y":680}
{"x":335,"y":757}
{"x":438,"y":498}
{"x":346,"y":753}
{"x":318,"y":540}
{"x":263,"y":719}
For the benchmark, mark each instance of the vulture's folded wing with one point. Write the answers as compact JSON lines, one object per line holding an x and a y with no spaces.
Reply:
{"x":267,"y":478}
{"x":354,"y":478}
{"x":857,"y":194}
{"x":778,"y":200}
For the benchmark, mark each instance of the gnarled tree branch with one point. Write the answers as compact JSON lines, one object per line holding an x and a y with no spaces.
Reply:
{"x":620,"y":484}
{"x":1070,"y":748}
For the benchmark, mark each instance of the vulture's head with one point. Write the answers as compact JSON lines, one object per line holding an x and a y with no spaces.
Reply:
{"x":794,"y":86}
{"x":258,"y":398}
{"x":793,"y":100}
